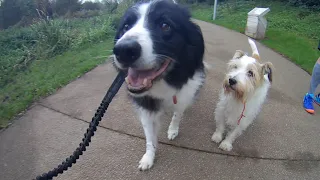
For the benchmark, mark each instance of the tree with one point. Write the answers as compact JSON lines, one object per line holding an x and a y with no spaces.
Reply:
{"x":44,"y":8}
{"x":62,"y":7}
{"x":91,"y":5}
{"x":307,"y":3}
{"x":15,"y":11}
{"x":10,"y":13}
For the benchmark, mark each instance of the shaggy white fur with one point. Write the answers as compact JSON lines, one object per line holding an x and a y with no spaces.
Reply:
{"x":245,"y":89}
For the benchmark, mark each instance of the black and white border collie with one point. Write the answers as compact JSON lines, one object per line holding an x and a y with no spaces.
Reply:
{"x":161,"y":50}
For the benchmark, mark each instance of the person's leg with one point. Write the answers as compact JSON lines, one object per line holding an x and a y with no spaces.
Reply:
{"x":315,"y":81}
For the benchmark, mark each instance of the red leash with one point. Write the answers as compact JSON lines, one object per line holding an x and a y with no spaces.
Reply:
{"x":242,"y":115}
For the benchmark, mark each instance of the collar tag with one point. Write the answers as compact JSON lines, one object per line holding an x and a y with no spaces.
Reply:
{"x":174,"y":99}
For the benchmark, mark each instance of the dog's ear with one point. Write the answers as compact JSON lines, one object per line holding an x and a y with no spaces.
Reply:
{"x":238,"y":54}
{"x":268,"y":68}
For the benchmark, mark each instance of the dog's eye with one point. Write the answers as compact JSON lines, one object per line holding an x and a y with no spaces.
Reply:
{"x":235,"y":66}
{"x":165,"y":27}
{"x":126,"y":27}
{"x":250,"y":73}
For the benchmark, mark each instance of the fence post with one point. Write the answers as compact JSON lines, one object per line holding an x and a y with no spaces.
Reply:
{"x":215,"y":9}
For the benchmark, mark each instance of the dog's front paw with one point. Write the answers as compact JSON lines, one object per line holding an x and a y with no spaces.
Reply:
{"x":216,"y":137}
{"x":172,"y":133}
{"x":146,"y":162}
{"x":226,"y":146}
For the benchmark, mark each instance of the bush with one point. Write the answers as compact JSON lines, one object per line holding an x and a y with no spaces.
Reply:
{"x":14,"y":45}
{"x":313,"y":4}
{"x":51,"y":38}
{"x":91,"y":5}
{"x":19,"y":46}
{"x":86,"y":14}
{"x":44,"y":39}
{"x":26,"y":69}
{"x":102,"y":31}
{"x":63,"y":7}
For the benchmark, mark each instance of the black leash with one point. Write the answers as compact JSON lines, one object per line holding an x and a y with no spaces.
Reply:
{"x":113,"y":90}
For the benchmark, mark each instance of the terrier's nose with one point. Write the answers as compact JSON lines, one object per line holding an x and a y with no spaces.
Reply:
{"x":232,"y":81}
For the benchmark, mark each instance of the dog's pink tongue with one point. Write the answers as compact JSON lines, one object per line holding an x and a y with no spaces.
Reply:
{"x":136,"y":78}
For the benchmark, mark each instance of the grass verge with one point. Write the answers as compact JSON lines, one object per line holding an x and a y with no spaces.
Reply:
{"x":293,"y":32}
{"x":44,"y":76}
{"x":37,"y":59}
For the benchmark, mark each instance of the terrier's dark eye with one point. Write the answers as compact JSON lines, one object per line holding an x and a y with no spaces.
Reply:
{"x":250,"y":73}
{"x":165,"y":27}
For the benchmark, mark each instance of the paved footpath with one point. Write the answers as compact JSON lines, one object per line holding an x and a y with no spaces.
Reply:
{"x":283,"y":143}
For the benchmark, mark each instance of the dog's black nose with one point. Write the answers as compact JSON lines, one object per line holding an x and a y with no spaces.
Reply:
{"x":127,"y":51}
{"x":232,"y":81}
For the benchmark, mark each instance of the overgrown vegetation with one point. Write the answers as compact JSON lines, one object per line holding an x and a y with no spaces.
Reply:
{"x":23,"y":12}
{"x":37,"y":59}
{"x":292,"y":31}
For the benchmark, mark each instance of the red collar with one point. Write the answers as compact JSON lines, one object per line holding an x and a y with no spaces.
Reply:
{"x":242,"y":115}
{"x":174,"y":99}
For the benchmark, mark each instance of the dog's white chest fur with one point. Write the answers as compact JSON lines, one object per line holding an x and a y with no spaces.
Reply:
{"x":184,"y":96}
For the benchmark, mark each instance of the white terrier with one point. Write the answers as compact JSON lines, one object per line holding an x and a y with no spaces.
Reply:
{"x":244,"y":90}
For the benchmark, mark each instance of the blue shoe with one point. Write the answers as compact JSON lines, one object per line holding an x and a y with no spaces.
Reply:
{"x":308,"y":103}
{"x":317,"y":99}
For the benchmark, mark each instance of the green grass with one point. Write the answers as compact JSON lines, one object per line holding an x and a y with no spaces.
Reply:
{"x":46,"y":75}
{"x":38,"y":59}
{"x":293,"y":32}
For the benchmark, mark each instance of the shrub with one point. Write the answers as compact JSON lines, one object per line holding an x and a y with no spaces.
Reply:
{"x":45,"y":39}
{"x":91,"y":5}
{"x":103,"y":30}
{"x":86,"y":14}
{"x":313,"y":4}
{"x":51,"y":38}
{"x":15,"y":45}
{"x":63,"y":7}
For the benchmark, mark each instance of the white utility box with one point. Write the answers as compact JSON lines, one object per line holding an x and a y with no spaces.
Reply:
{"x":256,"y":23}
